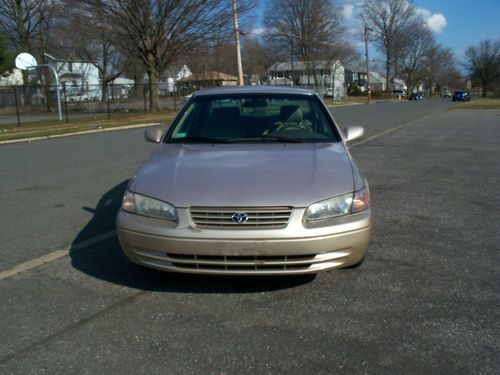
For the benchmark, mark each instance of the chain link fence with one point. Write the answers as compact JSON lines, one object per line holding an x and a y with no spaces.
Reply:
{"x":38,"y":103}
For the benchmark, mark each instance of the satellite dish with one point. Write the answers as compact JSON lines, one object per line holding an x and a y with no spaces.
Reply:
{"x":25,"y":60}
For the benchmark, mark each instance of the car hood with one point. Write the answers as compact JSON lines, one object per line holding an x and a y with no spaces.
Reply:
{"x":271,"y":174}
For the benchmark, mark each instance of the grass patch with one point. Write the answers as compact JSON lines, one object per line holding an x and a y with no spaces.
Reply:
{"x":48,"y":128}
{"x":482,"y":103}
{"x":346,"y":101}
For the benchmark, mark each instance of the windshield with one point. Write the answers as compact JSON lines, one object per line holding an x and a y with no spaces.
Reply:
{"x":253,"y":118}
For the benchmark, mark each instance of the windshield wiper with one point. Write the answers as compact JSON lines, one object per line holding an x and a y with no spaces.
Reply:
{"x":197,"y":140}
{"x":267,"y":138}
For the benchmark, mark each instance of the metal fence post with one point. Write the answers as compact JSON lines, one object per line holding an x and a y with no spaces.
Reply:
{"x":65,"y":102}
{"x":17,"y":107}
{"x":145,"y":102}
{"x":107,"y":97}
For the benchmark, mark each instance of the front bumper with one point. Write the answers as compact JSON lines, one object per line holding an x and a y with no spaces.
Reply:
{"x":297,"y":249}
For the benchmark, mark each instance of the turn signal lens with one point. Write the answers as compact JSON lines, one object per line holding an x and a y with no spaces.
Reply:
{"x":128,"y":203}
{"x":361,"y":201}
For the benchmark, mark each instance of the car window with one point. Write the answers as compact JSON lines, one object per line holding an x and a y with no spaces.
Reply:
{"x":253,"y":118}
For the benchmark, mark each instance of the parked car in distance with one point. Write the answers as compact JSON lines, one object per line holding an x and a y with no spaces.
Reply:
{"x":248,"y":181}
{"x":416,"y":96}
{"x":401,"y":93}
{"x":461,"y":96}
{"x":76,"y":98}
{"x":329,"y":93}
{"x":447,"y":94}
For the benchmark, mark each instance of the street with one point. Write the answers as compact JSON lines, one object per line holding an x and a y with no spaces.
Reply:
{"x":426,"y":299}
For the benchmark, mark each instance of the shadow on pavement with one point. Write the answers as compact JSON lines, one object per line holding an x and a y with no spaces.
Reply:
{"x":106,"y":261}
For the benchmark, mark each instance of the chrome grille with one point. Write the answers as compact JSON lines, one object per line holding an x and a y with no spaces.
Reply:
{"x":258,"y":217}
{"x":242,"y":264}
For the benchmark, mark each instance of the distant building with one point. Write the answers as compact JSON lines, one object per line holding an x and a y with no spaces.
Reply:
{"x":377,"y":81}
{"x":169,"y":79}
{"x":79,"y":76}
{"x":399,"y":84}
{"x":324,"y":74}
{"x":121,"y":86}
{"x":12,"y":77}
{"x":355,"y":76}
{"x":207,"y":79}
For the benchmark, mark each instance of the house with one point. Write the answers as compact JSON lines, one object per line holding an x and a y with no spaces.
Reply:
{"x":326,"y":74}
{"x":121,"y":86}
{"x":81,"y":77}
{"x":12,"y":77}
{"x":355,"y":76}
{"x":169,"y":79}
{"x":399,"y":84}
{"x":207,"y":79}
{"x":377,"y":82}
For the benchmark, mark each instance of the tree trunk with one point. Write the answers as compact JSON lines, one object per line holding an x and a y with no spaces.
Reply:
{"x":154,"y":99}
{"x":138,"y":85}
{"x":387,"y":73}
{"x":104,"y":88}
{"x":26,"y":88}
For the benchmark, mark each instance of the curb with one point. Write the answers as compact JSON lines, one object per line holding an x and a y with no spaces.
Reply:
{"x":93,"y":131}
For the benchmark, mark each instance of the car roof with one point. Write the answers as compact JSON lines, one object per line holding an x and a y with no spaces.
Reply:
{"x":254,"y":90}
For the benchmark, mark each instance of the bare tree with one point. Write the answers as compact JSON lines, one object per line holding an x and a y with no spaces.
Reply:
{"x":393,"y":22}
{"x":258,"y":57}
{"x":440,"y":67}
{"x":308,"y":29}
{"x":162,"y":31}
{"x":94,"y":41}
{"x":412,"y":56}
{"x":483,"y":63}
{"x":20,"y":20}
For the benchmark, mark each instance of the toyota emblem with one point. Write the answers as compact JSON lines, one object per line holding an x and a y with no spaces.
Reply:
{"x":239,"y":217}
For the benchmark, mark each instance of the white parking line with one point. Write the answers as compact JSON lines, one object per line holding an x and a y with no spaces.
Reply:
{"x":378,"y":135}
{"x":37,"y":262}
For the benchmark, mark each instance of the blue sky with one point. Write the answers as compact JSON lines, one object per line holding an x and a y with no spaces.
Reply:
{"x":456,"y":24}
{"x":467,"y":22}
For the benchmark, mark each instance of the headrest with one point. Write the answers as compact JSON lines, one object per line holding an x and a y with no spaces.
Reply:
{"x":290,"y":113}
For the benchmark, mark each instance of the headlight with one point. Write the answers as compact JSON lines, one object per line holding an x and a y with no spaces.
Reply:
{"x":146,"y":206}
{"x":338,"y":206}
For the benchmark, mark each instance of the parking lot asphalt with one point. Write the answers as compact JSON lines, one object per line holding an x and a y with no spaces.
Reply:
{"x":426,"y":300}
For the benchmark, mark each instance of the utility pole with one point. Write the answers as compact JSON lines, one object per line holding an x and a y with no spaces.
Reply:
{"x":367,"y":64}
{"x":291,"y":62}
{"x":237,"y":38}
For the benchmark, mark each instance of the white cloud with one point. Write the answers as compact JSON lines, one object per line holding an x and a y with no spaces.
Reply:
{"x":435,"y":22}
{"x":424,"y":13}
{"x":347,"y":10}
{"x":257,"y":31}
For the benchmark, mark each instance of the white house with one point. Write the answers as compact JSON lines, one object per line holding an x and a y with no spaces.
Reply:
{"x":168,"y":80}
{"x":12,"y":77}
{"x":121,"y":87}
{"x":79,"y":76}
{"x":324,"y":74}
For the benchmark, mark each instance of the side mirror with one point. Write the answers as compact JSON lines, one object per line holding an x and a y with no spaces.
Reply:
{"x":153,"y":135}
{"x":353,"y":132}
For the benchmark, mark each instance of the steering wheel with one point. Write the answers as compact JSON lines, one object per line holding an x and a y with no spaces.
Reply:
{"x":289,"y":127}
